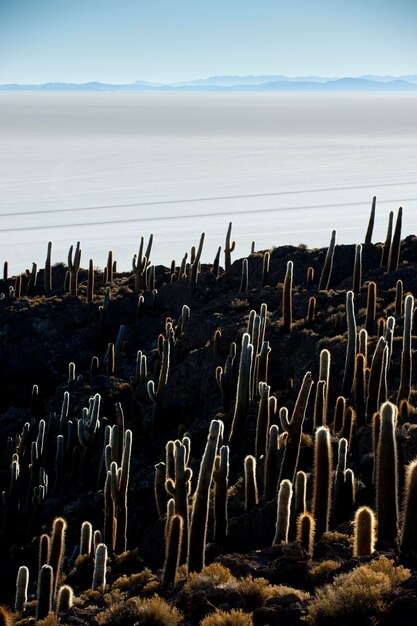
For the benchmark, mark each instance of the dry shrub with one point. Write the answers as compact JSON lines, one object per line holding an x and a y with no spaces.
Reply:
{"x":210,"y":576}
{"x":228,"y":618}
{"x":256,"y":591}
{"x":153,"y":611}
{"x":50,"y":620}
{"x":324,"y":571}
{"x":357,"y":594}
{"x":137,"y":583}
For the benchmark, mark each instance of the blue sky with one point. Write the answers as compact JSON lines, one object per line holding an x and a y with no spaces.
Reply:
{"x":173,"y":40}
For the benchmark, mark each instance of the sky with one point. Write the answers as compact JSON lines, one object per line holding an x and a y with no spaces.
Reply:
{"x":120,"y":41}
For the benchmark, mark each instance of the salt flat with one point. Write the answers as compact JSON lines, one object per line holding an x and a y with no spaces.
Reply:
{"x":106,"y":168}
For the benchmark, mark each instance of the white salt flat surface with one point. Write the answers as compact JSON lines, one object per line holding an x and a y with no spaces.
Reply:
{"x":285,"y":168}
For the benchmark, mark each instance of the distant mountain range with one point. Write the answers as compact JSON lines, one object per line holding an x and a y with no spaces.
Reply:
{"x":269,"y":83}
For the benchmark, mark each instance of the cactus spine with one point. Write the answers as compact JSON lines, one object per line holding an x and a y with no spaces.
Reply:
{"x":364,"y":532}
{"x":198,"y":527}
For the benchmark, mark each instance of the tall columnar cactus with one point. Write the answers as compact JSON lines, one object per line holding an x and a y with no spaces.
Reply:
{"x":375,"y":377}
{"x":320,"y":415}
{"x":119,"y":482}
{"x":368,"y":236}
{"x":47,"y":277}
{"x":360,"y":387}
{"x":88,"y":428}
{"x":408,"y":539}
{"x":405,"y":381}
{"x":172,"y":551}
{"x":243,"y":391}
{"x":294,"y":429}
{"x":399,"y":292}
{"x":283,"y":512}
{"x":371,"y":309}
{"x":140,"y":264}
{"x":324,"y":374}
{"x":349,"y":373}
{"x":244,"y":279}
{"x":271,"y":465}
{"x":364,"y":532}
{"x":228,"y":249}
{"x":394,"y":251}
{"x":322,"y":471}
{"x":387,"y":244}
{"x":306,"y":528}
{"x":198,"y":527}
{"x":300,"y":494}
{"x":57,"y":552}
{"x":357,"y":269}
{"x":100,"y":567}
{"x":74,"y":268}
{"x":86,"y":538}
{"x":387,"y":475}
{"x":221,"y":481}
{"x":328,"y":264}
{"x":159,"y":488}
{"x":339,"y":483}
{"x":180,"y":489}
{"x":287,"y":299}
{"x":389,"y":336}
{"x":155,"y":394}
{"x":262,"y":422}
{"x":265,"y":268}
{"x":195,"y":266}
{"x":21,"y":589}
{"x":363,"y":343}
{"x":45,"y":592}
{"x":251,"y":489}
{"x":224,"y":377}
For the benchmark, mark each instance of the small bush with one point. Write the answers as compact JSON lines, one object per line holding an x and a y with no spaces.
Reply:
{"x":256,"y":591}
{"x":324,"y":571}
{"x":228,"y":618}
{"x":153,"y":611}
{"x":356,"y":594}
{"x":210,"y":576}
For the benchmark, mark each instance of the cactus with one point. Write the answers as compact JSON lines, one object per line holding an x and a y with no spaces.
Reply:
{"x":368,"y":236}
{"x":221,"y":477}
{"x":271,"y":466}
{"x":387,"y":244}
{"x":408,"y":540}
{"x":224,"y":377}
{"x":283,"y":512}
{"x":159,"y":489}
{"x":155,"y":394}
{"x":74,"y":268}
{"x":228,"y":249}
{"x":57,"y":551}
{"x":100,"y":566}
{"x":265,"y":268}
{"x":339,"y":483}
{"x":320,"y":414}
{"x":387,"y":475}
{"x":294,"y":430}
{"x":364,"y":536}
{"x":371,"y":309}
{"x":243,"y":391}
{"x":394,"y":251}
{"x":45,"y":592}
{"x":172,"y":551}
{"x":375,"y":377}
{"x":405,"y":380}
{"x":349,"y":373}
{"x":195,"y":266}
{"x":140,"y":264}
{"x":21,"y":589}
{"x":311,"y":310}
{"x":86,"y":538}
{"x":47,"y":277}
{"x":324,"y":374}
{"x":357,"y":269}
{"x":198,"y":527}
{"x":262,"y":422}
{"x":180,"y":489}
{"x":399,"y":291}
{"x":322,"y":471}
{"x":287,"y":299}
{"x":251,"y":489}
{"x":244,"y":279}
{"x":363,"y":344}
{"x":65,"y":599}
{"x":360,"y":387}
{"x":328,"y":264}
{"x":306,"y":528}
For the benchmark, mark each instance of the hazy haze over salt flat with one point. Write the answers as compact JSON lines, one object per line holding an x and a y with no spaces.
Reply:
{"x":107,"y":168}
